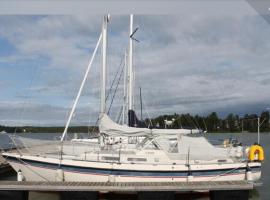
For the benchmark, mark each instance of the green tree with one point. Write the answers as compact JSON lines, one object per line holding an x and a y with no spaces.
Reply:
{"x":212,"y":122}
{"x":231,"y":119}
{"x":265,"y":121}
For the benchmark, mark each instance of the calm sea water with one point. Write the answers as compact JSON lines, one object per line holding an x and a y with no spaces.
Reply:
{"x":260,"y":193}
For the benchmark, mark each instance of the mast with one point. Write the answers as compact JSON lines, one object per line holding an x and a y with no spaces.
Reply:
{"x":104,"y":65}
{"x":258,"y":120}
{"x":242,"y":122}
{"x":141,"y":102}
{"x":125,"y":89}
{"x":130,"y":95}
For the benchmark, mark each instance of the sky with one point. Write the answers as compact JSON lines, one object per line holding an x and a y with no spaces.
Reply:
{"x":193,"y":62}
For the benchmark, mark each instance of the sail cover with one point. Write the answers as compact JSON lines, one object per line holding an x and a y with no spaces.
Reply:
{"x":199,"y":148}
{"x":109,"y":127}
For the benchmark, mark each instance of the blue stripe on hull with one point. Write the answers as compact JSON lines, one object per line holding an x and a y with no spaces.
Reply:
{"x":118,"y":172}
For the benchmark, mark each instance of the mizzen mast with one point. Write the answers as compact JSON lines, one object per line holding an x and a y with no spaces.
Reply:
{"x":130,"y":76}
{"x":104,"y":65}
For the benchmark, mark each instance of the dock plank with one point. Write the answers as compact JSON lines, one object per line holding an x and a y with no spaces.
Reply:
{"x":128,"y":186}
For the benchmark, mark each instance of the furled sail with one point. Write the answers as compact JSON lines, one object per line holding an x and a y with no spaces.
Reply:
{"x":109,"y":127}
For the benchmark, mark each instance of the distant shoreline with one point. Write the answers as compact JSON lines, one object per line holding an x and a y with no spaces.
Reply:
{"x":82,"y":129}
{"x":211,"y":123}
{"x":52,"y":129}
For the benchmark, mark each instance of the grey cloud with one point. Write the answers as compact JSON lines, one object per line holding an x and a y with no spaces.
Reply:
{"x":43,"y":115}
{"x":184,"y":63}
{"x":125,"y":7}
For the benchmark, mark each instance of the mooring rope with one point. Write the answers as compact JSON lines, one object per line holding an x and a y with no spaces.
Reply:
{"x":227,"y":172}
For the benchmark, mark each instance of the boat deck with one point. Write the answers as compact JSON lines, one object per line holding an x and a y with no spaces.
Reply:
{"x":127,"y":186}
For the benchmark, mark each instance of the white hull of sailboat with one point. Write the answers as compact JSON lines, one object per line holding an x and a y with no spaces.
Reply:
{"x":46,"y":169}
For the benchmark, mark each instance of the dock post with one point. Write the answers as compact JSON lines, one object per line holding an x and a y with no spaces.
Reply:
{"x":18,"y":195}
{"x":153,"y":195}
{"x":71,"y":195}
{"x":229,"y":195}
{"x":36,"y":195}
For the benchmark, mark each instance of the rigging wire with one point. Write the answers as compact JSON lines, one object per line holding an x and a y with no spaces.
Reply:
{"x":117,"y":72}
{"x":119,"y":115}
{"x":145,"y":107}
{"x":227,"y":172}
{"x":28,"y":166}
{"x":192,"y":122}
{"x":144,"y":103}
{"x":188,"y":119}
{"x":109,"y":92}
{"x":196,"y":122}
{"x":120,"y":76}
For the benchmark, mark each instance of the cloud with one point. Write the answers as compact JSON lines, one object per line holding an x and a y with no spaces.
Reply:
{"x":196,"y":63}
{"x":21,"y":113}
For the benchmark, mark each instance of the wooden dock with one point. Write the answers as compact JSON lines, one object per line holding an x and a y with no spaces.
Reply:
{"x":225,"y":190}
{"x":121,"y":187}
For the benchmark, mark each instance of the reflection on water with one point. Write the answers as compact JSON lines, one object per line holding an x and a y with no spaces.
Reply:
{"x":7,"y":195}
{"x":255,"y":195}
{"x":261,"y":193}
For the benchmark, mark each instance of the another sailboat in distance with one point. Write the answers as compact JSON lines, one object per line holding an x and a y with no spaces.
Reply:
{"x":161,"y":154}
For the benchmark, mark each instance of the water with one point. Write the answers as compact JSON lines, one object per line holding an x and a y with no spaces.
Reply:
{"x":261,"y":193}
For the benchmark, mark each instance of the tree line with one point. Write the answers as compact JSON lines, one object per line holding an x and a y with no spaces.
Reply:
{"x":210,"y":123}
{"x":53,"y":129}
{"x":214,"y":123}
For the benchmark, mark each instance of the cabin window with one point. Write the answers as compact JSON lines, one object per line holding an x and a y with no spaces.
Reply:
{"x":110,"y":158}
{"x":137,"y":159}
{"x":222,"y":161}
{"x":156,"y":159}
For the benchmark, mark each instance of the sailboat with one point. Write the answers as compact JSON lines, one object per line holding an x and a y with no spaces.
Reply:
{"x":162,"y":154}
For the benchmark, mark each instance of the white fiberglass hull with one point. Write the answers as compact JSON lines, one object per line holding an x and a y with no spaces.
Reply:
{"x":47,"y":169}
